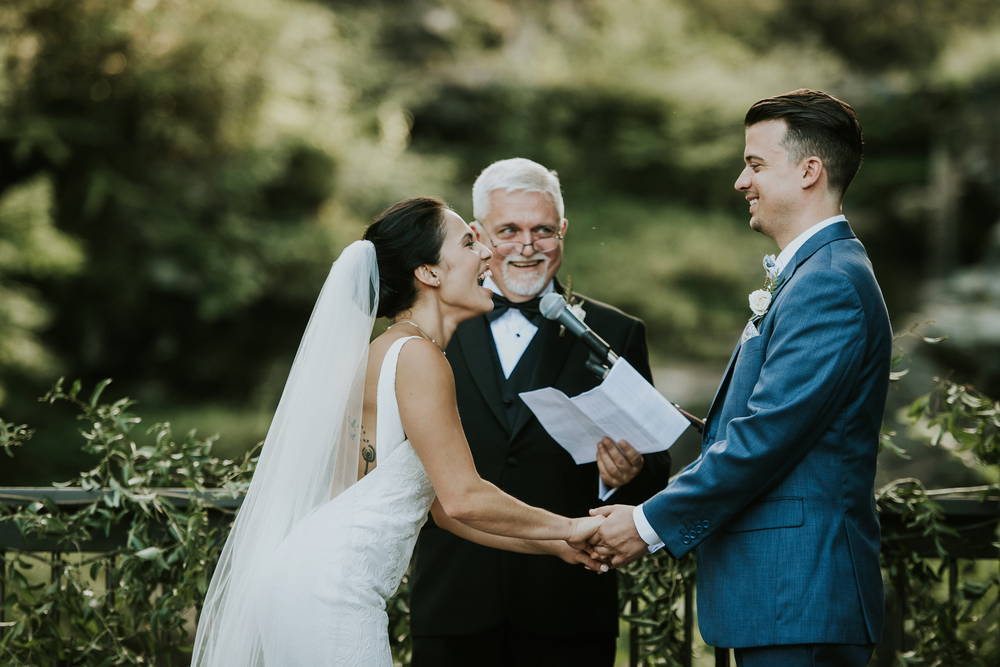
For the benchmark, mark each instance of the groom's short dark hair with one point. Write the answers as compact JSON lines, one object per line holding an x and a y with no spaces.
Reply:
{"x":818,"y":124}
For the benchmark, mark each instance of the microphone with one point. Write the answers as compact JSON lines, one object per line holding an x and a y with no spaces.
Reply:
{"x":553,"y":307}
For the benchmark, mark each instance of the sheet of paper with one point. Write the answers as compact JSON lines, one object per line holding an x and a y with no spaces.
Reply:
{"x":623,"y":407}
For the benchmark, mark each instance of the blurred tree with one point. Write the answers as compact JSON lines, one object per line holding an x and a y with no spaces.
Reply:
{"x":871,"y":36}
{"x":143,"y":116}
{"x":207,"y":161}
{"x":183,"y":145}
{"x":30,"y":247}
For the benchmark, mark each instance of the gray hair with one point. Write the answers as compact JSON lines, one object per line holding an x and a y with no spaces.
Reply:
{"x":511,"y":175}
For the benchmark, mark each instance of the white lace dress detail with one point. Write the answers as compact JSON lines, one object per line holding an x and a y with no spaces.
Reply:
{"x":324,"y":602}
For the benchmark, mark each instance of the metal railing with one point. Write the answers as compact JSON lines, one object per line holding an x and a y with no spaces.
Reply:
{"x":974,"y":522}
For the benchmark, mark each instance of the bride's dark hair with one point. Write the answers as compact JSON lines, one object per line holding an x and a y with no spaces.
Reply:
{"x":406,"y":235}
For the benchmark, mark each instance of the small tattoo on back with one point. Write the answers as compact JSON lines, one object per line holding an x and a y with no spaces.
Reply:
{"x":367,"y":451}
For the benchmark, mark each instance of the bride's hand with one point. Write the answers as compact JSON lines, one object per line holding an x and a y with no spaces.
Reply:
{"x":570,"y":554}
{"x":583,"y":529}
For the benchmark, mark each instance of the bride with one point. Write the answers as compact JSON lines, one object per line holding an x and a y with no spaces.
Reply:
{"x":365,"y":441}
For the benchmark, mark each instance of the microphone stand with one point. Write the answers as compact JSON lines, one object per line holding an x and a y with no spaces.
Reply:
{"x":696,"y":423}
{"x":598,"y":368}
{"x":595,"y":366}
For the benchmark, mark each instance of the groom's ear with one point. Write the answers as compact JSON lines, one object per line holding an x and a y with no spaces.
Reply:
{"x":812,"y":168}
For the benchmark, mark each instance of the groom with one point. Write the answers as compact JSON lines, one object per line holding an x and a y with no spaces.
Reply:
{"x":779,"y":505}
{"x":472,"y":605}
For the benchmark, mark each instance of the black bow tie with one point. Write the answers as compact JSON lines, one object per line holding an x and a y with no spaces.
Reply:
{"x":528,"y":308}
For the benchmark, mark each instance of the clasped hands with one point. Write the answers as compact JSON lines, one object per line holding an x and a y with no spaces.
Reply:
{"x":616,"y":541}
{"x":610,"y":539}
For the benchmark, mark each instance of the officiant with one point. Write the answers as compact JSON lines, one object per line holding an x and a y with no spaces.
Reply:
{"x":471,"y":605}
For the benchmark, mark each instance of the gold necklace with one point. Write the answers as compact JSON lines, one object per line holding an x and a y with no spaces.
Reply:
{"x":418,"y":328}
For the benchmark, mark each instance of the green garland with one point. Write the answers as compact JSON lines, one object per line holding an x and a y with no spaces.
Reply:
{"x":137,"y":603}
{"x":960,"y":626}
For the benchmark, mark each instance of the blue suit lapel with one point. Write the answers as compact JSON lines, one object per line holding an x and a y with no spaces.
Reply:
{"x":835,"y":232}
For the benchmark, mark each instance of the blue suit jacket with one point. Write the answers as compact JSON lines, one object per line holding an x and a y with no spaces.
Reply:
{"x":780,"y":503}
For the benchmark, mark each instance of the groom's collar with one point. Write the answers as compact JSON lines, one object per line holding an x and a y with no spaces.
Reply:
{"x":835,"y":231}
{"x":788,"y":252}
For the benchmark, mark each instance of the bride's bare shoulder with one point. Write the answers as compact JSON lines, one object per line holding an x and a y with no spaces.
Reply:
{"x":417,"y":356}
{"x":422,"y":366}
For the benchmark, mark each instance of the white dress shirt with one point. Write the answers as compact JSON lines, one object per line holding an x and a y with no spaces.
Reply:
{"x":642,"y":525}
{"x":512,"y":333}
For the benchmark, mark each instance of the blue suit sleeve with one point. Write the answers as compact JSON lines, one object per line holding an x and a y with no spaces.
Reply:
{"x":816,"y":347}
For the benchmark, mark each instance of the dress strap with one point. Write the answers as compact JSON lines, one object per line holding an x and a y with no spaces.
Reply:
{"x":388,"y":425}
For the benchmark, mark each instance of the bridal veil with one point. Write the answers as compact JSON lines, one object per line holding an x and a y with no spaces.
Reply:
{"x":309,"y":456}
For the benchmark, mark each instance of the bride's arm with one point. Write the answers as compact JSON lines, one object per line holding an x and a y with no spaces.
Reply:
{"x":425,"y":391}
{"x":559,"y":548}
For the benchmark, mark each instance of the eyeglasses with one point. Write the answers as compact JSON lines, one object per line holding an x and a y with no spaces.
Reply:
{"x":543,"y":239}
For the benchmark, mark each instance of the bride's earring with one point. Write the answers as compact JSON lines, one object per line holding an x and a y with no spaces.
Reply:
{"x":425,"y":275}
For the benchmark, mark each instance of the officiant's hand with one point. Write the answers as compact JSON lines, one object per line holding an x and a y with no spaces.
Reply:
{"x":617,"y":462}
{"x":617,"y":537}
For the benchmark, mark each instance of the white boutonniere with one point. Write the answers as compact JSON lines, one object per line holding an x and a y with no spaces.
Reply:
{"x":760,"y":299}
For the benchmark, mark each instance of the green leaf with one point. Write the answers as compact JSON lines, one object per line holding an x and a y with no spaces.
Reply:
{"x":95,"y":396}
{"x":149,"y":553}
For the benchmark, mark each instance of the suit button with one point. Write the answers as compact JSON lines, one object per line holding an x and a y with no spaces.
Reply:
{"x":512,"y":460}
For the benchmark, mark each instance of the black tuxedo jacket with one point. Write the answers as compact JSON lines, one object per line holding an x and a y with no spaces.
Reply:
{"x":462,"y":588}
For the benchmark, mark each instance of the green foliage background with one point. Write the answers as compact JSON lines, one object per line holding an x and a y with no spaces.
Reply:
{"x":177,"y":175}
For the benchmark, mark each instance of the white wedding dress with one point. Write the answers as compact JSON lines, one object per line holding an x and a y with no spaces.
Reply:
{"x":323,"y":597}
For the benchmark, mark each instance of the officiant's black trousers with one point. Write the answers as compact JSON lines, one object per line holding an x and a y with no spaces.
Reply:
{"x":502,"y":647}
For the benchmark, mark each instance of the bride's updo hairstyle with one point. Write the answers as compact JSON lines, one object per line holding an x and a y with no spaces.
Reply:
{"x":406,"y":235}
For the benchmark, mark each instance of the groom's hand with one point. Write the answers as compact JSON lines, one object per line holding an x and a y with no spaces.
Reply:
{"x":617,"y":536}
{"x":617,"y":462}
